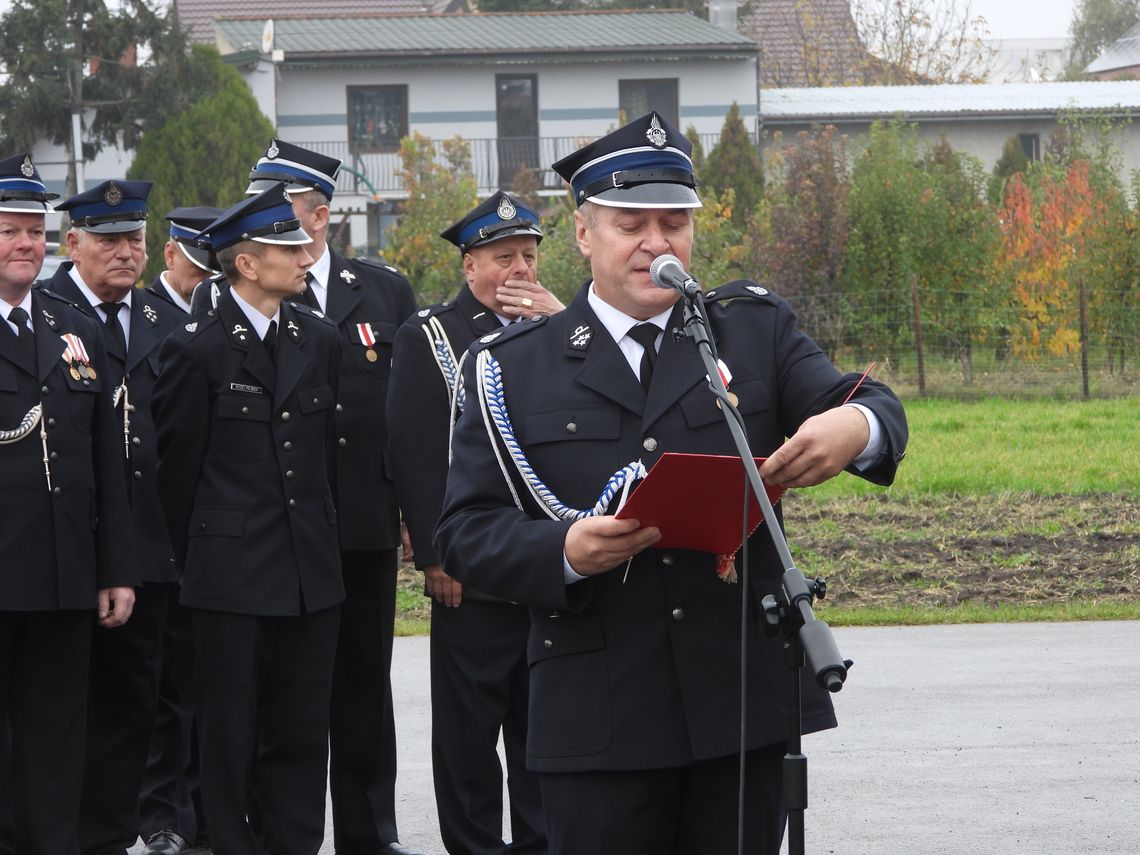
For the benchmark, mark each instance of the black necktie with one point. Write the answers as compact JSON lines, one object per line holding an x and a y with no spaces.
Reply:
{"x":270,"y":342}
{"x":20,"y":318}
{"x":309,"y":295}
{"x":646,"y":336}
{"x":114,"y":328}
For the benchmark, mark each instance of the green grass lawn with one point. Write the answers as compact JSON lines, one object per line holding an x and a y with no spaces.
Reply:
{"x":999,"y":446}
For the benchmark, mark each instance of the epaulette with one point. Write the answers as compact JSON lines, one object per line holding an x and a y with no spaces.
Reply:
{"x":510,"y":331}
{"x":432,"y":311}
{"x":200,"y":323}
{"x":47,"y":293}
{"x":375,"y":262}
{"x":741,"y":289}
{"x":304,"y":310}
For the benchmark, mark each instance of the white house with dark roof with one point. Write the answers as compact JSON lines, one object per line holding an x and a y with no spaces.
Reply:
{"x":523,"y":89}
{"x":977,"y":119}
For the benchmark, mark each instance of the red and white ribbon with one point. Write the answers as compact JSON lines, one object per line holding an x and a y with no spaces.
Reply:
{"x":367,"y":337}
{"x":76,"y":348}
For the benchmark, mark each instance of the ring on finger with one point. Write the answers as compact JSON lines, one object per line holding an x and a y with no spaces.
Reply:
{"x":527,"y":302}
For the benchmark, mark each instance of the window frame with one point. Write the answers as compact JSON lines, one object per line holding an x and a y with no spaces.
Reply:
{"x":401,"y":89}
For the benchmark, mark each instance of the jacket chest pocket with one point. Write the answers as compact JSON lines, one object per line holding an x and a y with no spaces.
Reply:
{"x":81,"y":395}
{"x":369,"y":351}
{"x":242,"y":427}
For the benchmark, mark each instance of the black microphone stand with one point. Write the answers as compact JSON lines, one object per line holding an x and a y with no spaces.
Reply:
{"x":805,"y":636}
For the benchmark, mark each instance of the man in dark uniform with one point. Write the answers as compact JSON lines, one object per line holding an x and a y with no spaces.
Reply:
{"x":245,"y":411}
{"x":170,"y":805}
{"x":107,"y":245}
{"x":367,"y":301}
{"x":187,"y":257}
{"x":66,"y":536}
{"x":478,"y":642}
{"x":635,"y":674}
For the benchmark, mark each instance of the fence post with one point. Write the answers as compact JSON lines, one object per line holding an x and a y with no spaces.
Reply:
{"x":918,"y":336}
{"x":1084,"y":304}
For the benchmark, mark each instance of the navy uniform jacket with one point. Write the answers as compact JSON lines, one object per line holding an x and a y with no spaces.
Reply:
{"x":58,"y":548}
{"x":244,"y":453}
{"x":152,"y":320}
{"x":419,"y":411}
{"x":159,"y":290}
{"x":366,"y":291}
{"x":359,"y":291}
{"x":644,"y":674}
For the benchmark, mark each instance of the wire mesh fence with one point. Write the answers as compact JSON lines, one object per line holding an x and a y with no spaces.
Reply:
{"x":955,"y":347}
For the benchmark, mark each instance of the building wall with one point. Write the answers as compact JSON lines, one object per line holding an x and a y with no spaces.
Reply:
{"x":573,"y":99}
{"x":983,"y":138}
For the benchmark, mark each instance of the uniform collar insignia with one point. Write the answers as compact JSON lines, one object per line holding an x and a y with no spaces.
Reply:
{"x":294,"y":330}
{"x":192,"y":326}
{"x":150,"y":314}
{"x":758,"y":290}
{"x":239,"y":332}
{"x":581,"y":337}
{"x":348,"y":276}
{"x":49,"y":318}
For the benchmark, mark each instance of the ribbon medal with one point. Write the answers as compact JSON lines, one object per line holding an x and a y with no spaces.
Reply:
{"x":77,"y":358}
{"x":368,"y":339}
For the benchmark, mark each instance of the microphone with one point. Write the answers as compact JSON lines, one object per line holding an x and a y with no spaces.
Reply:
{"x":666,"y":271}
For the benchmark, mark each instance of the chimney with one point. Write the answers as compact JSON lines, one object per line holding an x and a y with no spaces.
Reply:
{"x":722,"y":13}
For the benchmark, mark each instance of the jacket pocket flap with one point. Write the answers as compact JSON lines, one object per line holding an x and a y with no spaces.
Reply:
{"x":253,"y":407}
{"x":217,"y":524}
{"x":563,"y":634}
{"x":582,"y":423}
{"x":312,"y":399}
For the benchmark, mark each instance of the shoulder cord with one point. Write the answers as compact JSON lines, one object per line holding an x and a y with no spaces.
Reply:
{"x":444,"y":355}
{"x":33,"y":417}
{"x":498,"y":421}
{"x":121,"y":394}
{"x":27,"y":424}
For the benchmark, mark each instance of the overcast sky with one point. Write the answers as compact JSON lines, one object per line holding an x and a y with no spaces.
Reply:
{"x":1026,"y":19}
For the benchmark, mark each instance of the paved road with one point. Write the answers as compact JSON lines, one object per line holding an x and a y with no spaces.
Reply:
{"x":1014,"y":739}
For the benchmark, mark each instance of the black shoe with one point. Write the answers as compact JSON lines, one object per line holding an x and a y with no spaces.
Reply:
{"x":164,"y":842}
{"x":394,"y":848}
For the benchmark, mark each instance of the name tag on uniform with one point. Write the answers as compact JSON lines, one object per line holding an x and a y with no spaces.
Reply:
{"x":242,"y":387}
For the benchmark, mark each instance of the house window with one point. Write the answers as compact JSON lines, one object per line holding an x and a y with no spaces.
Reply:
{"x":1031,"y":145}
{"x":638,"y":97}
{"x":377,"y":117}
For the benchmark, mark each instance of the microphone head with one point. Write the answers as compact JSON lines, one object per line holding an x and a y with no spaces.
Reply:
{"x":666,"y":270}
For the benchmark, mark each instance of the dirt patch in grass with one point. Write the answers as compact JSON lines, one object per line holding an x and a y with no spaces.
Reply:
{"x":941,"y":551}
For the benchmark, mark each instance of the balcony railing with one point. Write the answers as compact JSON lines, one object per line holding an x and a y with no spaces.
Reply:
{"x":496,"y":163}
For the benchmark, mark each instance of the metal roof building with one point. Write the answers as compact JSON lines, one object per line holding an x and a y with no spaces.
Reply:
{"x":975,"y":118}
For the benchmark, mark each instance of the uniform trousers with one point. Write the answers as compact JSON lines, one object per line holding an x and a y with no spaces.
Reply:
{"x":479,"y":681}
{"x":362,"y":735}
{"x":44,"y":659}
{"x":170,"y":797}
{"x":262,"y":685}
{"x":673,"y":811}
{"x":121,"y":705}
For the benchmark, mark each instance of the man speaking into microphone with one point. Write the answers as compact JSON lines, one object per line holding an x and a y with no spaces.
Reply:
{"x":635,"y":651}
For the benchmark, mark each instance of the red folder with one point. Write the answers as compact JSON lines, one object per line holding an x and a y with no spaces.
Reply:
{"x":697,"y":502}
